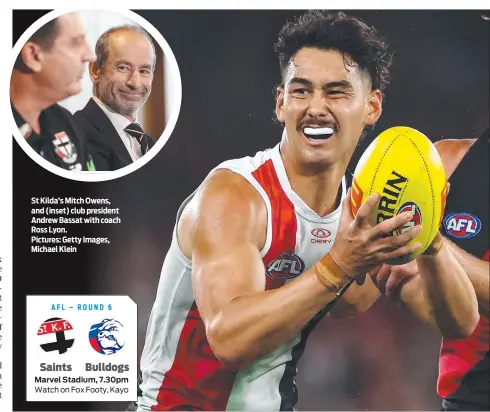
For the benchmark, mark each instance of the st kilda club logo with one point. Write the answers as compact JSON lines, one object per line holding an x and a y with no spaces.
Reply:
{"x":416,"y":219}
{"x":54,"y":333}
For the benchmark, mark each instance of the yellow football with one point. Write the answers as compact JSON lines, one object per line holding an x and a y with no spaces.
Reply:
{"x":404,"y":167}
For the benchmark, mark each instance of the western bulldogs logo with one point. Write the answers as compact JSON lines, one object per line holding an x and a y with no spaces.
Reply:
{"x":107,"y":337}
{"x":462,"y":225}
{"x":286,"y":266}
{"x":416,"y":219}
{"x":64,"y":148}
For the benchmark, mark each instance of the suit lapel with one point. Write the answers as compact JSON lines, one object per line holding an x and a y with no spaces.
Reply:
{"x":107,"y":130}
{"x":150,"y":141}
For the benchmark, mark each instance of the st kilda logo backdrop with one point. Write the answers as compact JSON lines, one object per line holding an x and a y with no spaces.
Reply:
{"x":55,"y":335}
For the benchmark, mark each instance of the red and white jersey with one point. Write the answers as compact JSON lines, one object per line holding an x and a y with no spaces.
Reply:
{"x":179,"y":369}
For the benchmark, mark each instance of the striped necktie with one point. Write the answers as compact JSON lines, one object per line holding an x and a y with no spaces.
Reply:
{"x":135,"y":130}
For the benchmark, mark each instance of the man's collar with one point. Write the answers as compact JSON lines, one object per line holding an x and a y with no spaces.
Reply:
{"x":118,"y":120}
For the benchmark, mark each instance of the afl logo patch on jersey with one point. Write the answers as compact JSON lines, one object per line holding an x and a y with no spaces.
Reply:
{"x":462,"y":225}
{"x":286,"y":266}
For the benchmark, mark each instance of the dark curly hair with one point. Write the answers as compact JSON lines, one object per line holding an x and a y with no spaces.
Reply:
{"x":321,"y":29}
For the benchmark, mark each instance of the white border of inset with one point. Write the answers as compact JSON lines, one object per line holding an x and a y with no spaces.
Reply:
{"x":177,"y":100}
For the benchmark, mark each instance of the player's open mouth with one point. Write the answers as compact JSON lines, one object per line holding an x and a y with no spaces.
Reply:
{"x":318,"y":133}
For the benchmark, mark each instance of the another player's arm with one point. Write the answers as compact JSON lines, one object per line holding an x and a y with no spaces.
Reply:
{"x":437,"y":291}
{"x":226,"y":231}
{"x":477,"y":270}
{"x":442,"y":295}
{"x":452,"y":152}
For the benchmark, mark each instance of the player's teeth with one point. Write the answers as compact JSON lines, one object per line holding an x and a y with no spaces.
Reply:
{"x":318,"y":131}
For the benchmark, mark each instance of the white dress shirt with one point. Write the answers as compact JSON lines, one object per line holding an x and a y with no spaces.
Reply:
{"x":120,"y":123}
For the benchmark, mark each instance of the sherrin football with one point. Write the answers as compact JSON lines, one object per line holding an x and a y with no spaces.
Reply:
{"x":404,"y":167}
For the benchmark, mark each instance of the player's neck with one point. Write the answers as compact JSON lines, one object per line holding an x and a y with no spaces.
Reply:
{"x":319,"y":189}
{"x":28,"y":100}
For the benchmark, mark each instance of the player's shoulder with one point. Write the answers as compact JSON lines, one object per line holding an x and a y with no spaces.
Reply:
{"x":446,"y":146}
{"x":225,"y":206}
{"x":248,"y":164}
{"x":230,"y":188}
{"x":452,"y":152}
{"x":233,"y":180}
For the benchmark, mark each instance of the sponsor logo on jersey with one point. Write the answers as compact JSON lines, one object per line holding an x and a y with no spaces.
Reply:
{"x":321,"y":235}
{"x":462,"y":225}
{"x":286,"y":266}
{"x":64,"y":147}
{"x":416,"y":219}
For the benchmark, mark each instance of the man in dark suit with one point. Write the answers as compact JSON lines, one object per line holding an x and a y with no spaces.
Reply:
{"x":122,"y":77}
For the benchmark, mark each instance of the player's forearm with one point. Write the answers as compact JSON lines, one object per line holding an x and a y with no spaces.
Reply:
{"x":251,"y":326}
{"x":450,"y":298}
{"x":477,"y":270}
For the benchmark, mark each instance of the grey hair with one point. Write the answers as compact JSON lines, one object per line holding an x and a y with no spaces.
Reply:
{"x":102,"y":45}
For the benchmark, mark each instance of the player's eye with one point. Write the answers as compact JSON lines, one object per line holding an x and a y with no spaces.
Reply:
{"x":299,"y":92}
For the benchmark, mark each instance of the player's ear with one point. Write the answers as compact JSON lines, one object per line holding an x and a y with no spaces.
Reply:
{"x":374,"y":107}
{"x":280,"y":103}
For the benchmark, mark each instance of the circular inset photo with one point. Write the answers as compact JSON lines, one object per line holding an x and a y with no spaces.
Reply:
{"x":95,"y":94}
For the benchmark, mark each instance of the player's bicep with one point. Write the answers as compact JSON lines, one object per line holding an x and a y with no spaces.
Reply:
{"x":226,"y":261}
{"x":217,"y":280}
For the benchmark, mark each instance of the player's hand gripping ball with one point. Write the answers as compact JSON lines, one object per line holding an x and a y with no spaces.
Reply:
{"x":404,"y":167}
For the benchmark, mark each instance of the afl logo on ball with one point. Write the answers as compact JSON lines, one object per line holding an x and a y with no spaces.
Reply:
{"x":462,"y":225}
{"x":286,"y":266}
{"x":416,"y":219}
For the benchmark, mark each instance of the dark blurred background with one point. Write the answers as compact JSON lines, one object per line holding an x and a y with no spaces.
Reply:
{"x":382,"y":360}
